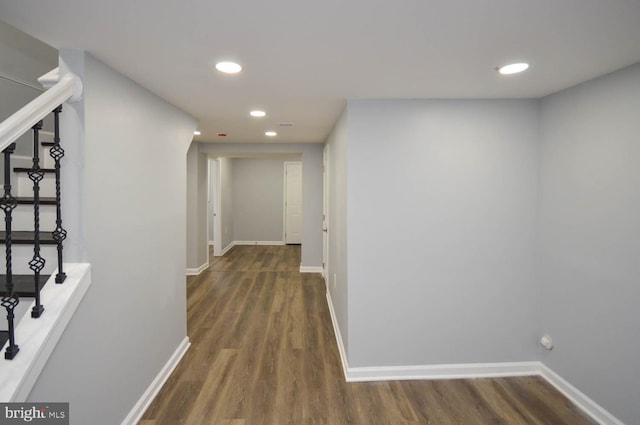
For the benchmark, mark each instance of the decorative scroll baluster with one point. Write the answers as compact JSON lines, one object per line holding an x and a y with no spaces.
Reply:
{"x":59,"y":234}
{"x":37,"y":262}
{"x":10,"y":300}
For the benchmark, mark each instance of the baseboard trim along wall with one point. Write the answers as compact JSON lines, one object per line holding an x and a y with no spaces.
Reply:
{"x":469,"y":371}
{"x":152,"y":391}
{"x":240,"y":243}
{"x":442,"y":371}
{"x":196,"y":272}
{"x":590,"y":407}
{"x":310,"y":269}
{"x":265,"y":243}
{"x":336,"y":330}
{"x":226,"y":249}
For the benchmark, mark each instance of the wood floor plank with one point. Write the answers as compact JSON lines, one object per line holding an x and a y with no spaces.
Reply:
{"x":264,"y":352}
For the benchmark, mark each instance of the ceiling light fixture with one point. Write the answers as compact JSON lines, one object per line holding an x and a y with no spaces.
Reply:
{"x":270,"y":133}
{"x":197,"y":133}
{"x":228,"y":67}
{"x":513,"y":68}
{"x":257,"y":114}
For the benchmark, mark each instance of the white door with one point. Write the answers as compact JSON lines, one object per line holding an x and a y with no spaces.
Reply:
{"x":216,"y":182}
{"x":292,"y":202}
{"x":325,"y":213}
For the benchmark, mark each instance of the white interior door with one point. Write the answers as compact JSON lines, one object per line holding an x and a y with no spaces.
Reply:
{"x":293,"y":202}
{"x":325,"y":212}
{"x":216,"y":182}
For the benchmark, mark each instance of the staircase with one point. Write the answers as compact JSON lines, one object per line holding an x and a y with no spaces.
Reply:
{"x":33,"y":234}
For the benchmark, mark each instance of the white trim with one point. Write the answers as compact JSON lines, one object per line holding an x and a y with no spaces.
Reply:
{"x":442,"y":371}
{"x":590,"y":407}
{"x":38,"y":338}
{"x":227,"y":249}
{"x":265,"y":243}
{"x":211,"y":243}
{"x":469,"y":371}
{"x":336,"y":331}
{"x":196,"y":272}
{"x":310,"y":269}
{"x":152,"y":391}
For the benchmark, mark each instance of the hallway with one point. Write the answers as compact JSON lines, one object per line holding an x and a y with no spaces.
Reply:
{"x":263,"y":353}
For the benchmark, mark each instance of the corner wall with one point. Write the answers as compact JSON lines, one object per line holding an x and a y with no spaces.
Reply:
{"x":589,"y":224}
{"x":197,"y":244}
{"x":441,"y":231}
{"x":226,"y":201}
{"x":336,"y":279}
{"x":132,"y":206}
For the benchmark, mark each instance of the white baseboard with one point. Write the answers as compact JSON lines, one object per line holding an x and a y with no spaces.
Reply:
{"x":336,"y":331}
{"x":249,"y":243}
{"x":310,"y":269}
{"x":590,"y":407}
{"x":264,"y":243}
{"x":469,"y":371}
{"x":196,"y":272}
{"x":442,"y":371}
{"x":152,"y":391}
{"x":227,"y":248}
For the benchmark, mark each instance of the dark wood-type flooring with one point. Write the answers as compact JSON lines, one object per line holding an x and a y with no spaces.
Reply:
{"x":264,"y":353}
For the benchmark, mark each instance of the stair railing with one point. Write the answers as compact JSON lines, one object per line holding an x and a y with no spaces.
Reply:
{"x":60,"y":90}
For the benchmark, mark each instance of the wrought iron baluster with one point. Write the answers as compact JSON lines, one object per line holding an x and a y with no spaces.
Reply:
{"x":56,"y":152}
{"x":37,"y":262}
{"x":10,"y":300}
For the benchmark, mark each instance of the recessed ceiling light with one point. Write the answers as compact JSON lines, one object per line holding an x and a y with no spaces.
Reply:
{"x":197,"y":133}
{"x":270,"y":133}
{"x":228,"y":67}
{"x":257,"y":114}
{"x":513,"y":68}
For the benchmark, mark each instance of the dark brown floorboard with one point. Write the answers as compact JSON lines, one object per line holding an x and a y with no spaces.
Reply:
{"x":264,"y":353}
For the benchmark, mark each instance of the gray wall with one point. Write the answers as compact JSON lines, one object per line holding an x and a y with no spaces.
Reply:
{"x":590,"y":238}
{"x":311,"y":187}
{"x":226,"y":201}
{"x":133,"y":206}
{"x":258,"y":186}
{"x":441,"y":231}
{"x":337,"y":224}
{"x":197,"y":244}
{"x":26,"y":59}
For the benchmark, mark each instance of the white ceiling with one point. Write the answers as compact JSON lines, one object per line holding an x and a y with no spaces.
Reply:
{"x":303,"y":59}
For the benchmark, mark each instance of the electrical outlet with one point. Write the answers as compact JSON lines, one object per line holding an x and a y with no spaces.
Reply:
{"x":546,"y":342}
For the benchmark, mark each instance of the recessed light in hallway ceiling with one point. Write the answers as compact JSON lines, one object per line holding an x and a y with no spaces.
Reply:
{"x":513,"y":68}
{"x":257,"y":114}
{"x":196,"y":133}
{"x":271,"y":133}
{"x":228,"y":67}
